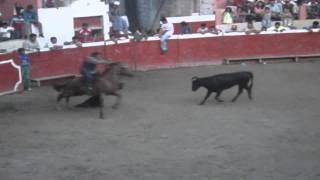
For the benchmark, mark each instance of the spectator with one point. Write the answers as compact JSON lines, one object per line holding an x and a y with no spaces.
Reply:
{"x":266,"y":19}
{"x":85,"y":33}
{"x":6,"y":32}
{"x":287,"y":18}
{"x":250,"y":29}
{"x":241,"y":15}
{"x":31,"y":44}
{"x":166,"y":31}
{"x":248,"y":8}
{"x":25,"y":68}
{"x":227,"y":16}
{"x":138,"y":35}
{"x":214,"y":30}
{"x":53,"y":44}
{"x":76,"y":41}
{"x":17,"y":22}
{"x":234,"y":28}
{"x":288,"y":5}
{"x":277,"y":27}
{"x":31,"y":18}
{"x":185,"y":28}
{"x":259,"y":10}
{"x":18,"y":9}
{"x":314,"y":27}
{"x":276,"y":10}
{"x":313,"y":10}
{"x":119,"y":24}
{"x":203,"y":28}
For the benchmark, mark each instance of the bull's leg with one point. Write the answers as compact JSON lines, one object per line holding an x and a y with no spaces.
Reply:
{"x":116,"y":104}
{"x":206,"y":97}
{"x":249,"y":90}
{"x":101,"y":105}
{"x":239,"y":92}
{"x":218,"y":97}
{"x":60,"y":96}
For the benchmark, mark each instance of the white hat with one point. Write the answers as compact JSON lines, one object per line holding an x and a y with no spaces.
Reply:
{"x":117,"y":3}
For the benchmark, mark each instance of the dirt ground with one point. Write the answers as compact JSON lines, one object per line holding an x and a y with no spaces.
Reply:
{"x":161,"y":133}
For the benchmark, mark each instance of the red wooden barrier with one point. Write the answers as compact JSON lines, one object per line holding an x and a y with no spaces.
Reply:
{"x":183,"y":51}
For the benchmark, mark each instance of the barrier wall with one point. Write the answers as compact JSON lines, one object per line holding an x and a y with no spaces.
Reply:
{"x":184,"y":50}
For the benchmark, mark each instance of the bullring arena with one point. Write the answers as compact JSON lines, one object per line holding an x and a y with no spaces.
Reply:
{"x":160,"y":132}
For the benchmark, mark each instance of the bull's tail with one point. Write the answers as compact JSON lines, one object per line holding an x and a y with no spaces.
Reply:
{"x":59,"y":87}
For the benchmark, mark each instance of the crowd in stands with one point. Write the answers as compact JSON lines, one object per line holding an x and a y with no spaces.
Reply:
{"x":266,"y":11}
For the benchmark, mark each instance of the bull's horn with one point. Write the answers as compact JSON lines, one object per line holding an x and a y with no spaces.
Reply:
{"x":194,"y":78}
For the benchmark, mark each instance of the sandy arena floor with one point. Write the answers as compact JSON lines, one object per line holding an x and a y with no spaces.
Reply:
{"x":160,"y":133}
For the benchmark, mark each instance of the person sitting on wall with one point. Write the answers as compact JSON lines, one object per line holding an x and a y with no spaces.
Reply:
{"x":31,"y":44}
{"x":203,"y":28}
{"x":287,"y":18}
{"x":6,"y":32}
{"x":185,"y":28}
{"x":266,"y":19}
{"x":88,"y":68}
{"x":214,"y":30}
{"x":31,"y":18}
{"x":166,"y":31}
{"x":119,"y":24}
{"x":315,"y":27}
{"x":75,"y":41}
{"x":53,"y":44}
{"x":85,"y":33}
{"x":277,"y":27}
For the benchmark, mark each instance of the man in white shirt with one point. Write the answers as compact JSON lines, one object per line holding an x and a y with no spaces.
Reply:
{"x":5,"y":32}
{"x":53,"y":44}
{"x":166,"y":31}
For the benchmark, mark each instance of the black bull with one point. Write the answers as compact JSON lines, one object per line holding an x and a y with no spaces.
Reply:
{"x":220,"y":82}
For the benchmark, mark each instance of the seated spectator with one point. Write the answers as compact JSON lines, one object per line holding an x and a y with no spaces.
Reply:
{"x":185,"y":28}
{"x":138,"y":35}
{"x":6,"y":32}
{"x":266,"y":19}
{"x":31,"y":18}
{"x":85,"y":33}
{"x":202,"y":29}
{"x":31,"y":44}
{"x":248,"y":8}
{"x":18,"y":9}
{"x":259,"y":10}
{"x":119,"y":24}
{"x":276,"y":10}
{"x":227,"y":16}
{"x":314,"y":27}
{"x":288,"y":5}
{"x":53,"y":44}
{"x":240,"y":15}
{"x":17,"y":22}
{"x":277,"y":27}
{"x":250,"y":29}
{"x":214,"y":30}
{"x":76,"y":41}
{"x":287,"y":18}
{"x":234,"y":28}
{"x":313,"y":11}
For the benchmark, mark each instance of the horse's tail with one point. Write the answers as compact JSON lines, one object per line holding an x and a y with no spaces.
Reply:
{"x":59,"y":87}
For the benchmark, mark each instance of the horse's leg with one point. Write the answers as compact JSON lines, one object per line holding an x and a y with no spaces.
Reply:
{"x":116,"y":104}
{"x":101,"y":105}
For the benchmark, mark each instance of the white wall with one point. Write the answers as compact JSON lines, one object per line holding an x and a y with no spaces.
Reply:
{"x":58,"y":22}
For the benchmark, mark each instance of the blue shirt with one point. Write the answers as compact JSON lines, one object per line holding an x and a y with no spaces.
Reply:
{"x":24,"y":60}
{"x":30,"y":16}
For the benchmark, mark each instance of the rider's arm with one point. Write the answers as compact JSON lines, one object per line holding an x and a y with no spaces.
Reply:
{"x":97,"y":61}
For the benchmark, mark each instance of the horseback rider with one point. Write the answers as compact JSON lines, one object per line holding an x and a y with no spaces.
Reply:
{"x":88,"y":68}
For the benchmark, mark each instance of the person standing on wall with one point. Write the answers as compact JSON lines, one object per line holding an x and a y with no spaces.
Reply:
{"x":166,"y":31}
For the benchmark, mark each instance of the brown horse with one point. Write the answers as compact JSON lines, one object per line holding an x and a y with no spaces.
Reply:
{"x":108,"y":83}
